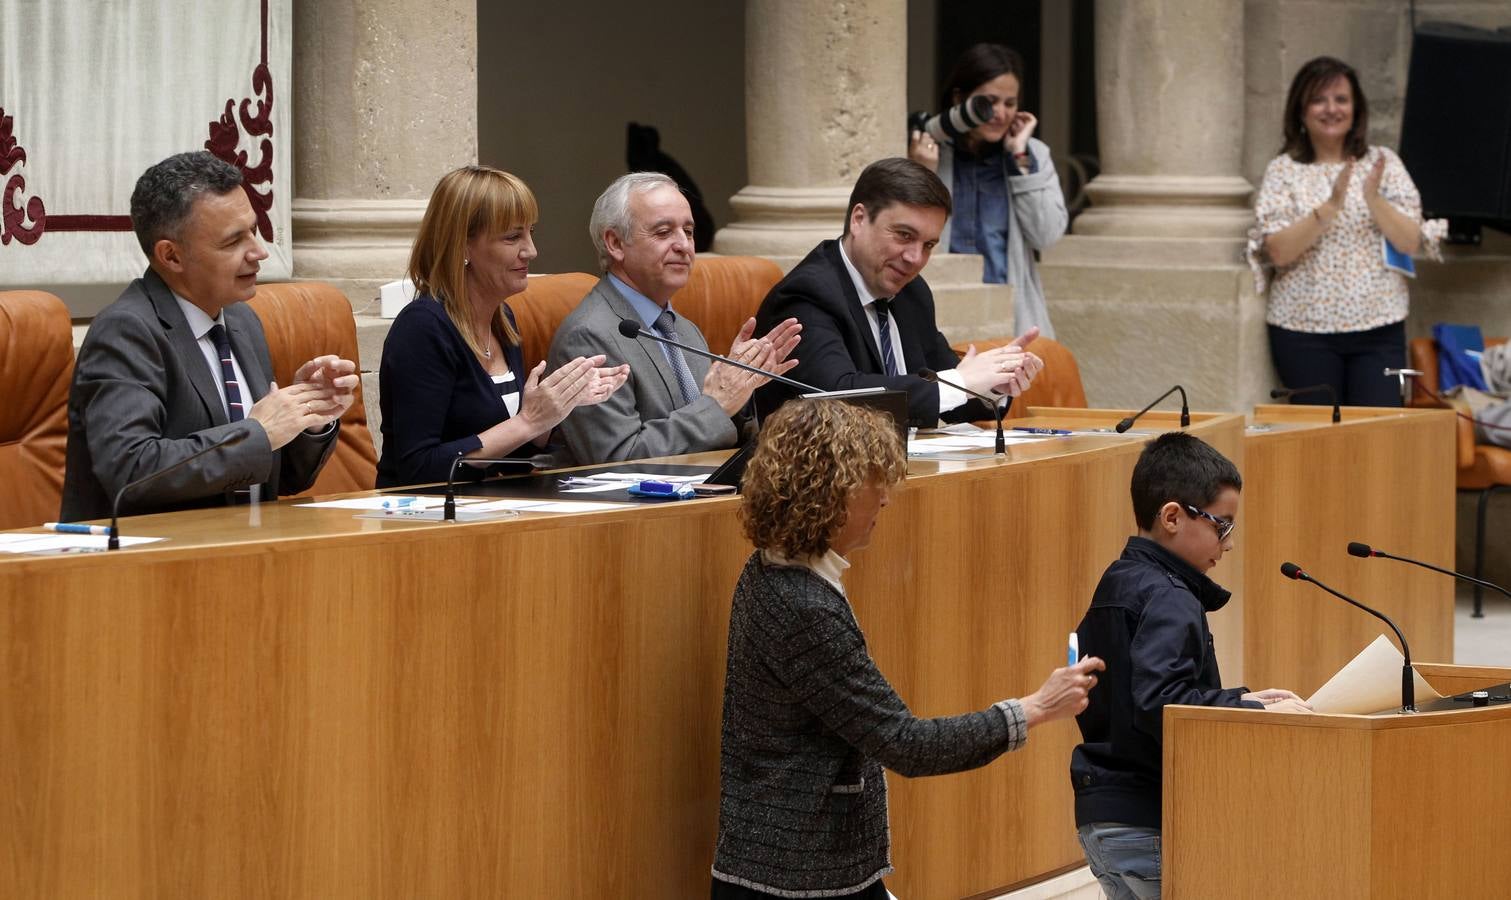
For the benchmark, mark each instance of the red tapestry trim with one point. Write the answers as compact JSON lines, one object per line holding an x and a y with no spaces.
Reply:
{"x":224,"y":138}
{"x":13,"y":215}
{"x":88,"y":223}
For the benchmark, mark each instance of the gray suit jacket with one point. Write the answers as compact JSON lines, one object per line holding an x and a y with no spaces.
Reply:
{"x":144,"y":398}
{"x":641,"y":419}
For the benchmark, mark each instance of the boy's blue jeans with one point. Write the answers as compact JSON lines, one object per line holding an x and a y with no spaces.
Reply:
{"x":1124,"y":859}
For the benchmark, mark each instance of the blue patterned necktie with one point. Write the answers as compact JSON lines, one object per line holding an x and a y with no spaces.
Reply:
{"x":666,"y":324}
{"x":222,"y":342}
{"x":884,"y":328}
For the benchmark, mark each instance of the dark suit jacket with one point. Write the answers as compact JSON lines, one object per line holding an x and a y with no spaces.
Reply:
{"x":435,"y":397}
{"x":838,"y":352}
{"x":144,"y":398}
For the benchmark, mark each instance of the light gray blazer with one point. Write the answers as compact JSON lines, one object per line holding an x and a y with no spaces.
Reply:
{"x":1039,"y":220}
{"x":641,"y":419}
{"x":143,"y":398}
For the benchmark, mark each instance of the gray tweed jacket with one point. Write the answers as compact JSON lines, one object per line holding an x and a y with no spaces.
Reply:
{"x":809,"y":722}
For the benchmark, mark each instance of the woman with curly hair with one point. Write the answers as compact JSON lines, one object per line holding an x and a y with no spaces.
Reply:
{"x":809,"y":721}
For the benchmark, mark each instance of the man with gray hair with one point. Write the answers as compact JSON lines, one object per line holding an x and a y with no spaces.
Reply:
{"x":674,"y":402}
{"x":177,"y":365}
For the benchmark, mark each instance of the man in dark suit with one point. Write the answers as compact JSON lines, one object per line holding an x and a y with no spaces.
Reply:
{"x":868,"y":319}
{"x":674,"y":402}
{"x":177,"y":364}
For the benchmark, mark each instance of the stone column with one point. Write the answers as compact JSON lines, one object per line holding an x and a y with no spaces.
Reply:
{"x":381,"y":110}
{"x":1170,"y":114}
{"x":825,"y":94}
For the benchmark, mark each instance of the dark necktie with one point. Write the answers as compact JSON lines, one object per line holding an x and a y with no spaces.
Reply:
{"x":666,"y":324}
{"x":222,"y":343}
{"x":884,"y":329}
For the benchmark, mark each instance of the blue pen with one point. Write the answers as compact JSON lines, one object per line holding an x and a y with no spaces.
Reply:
{"x":1074,"y":656}
{"x":1043,"y":430}
{"x":72,"y":528}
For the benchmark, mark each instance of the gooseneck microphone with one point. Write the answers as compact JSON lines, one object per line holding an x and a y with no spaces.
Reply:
{"x":995,"y":402}
{"x":1185,"y":411}
{"x":1408,"y":688}
{"x":1286,"y":393}
{"x":630,"y":328}
{"x":1365,"y":551}
{"x":448,"y":511}
{"x":114,"y":542}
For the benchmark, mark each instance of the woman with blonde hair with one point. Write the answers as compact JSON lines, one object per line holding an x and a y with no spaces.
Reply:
{"x":452,"y":381}
{"x":809,"y":721}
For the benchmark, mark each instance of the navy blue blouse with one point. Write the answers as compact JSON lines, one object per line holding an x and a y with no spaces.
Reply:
{"x":436,"y":398}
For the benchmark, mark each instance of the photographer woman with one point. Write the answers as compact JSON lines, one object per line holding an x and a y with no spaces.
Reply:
{"x":1008,"y":203}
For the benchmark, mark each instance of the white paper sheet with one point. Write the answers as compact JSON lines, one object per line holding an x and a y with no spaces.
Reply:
{"x":1370,"y":683}
{"x":64,"y":543}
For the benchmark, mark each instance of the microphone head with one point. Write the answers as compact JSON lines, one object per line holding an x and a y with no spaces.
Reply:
{"x":1362,"y":551}
{"x":1277,"y":393}
{"x":1123,"y":425}
{"x":1291,"y":571}
{"x":928,"y":375}
{"x":629,"y":328}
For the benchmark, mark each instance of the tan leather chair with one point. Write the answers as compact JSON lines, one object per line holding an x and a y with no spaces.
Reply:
{"x":539,"y":309}
{"x":723,"y":292}
{"x":1058,"y":385}
{"x":304,"y":320}
{"x":1482,"y":468}
{"x":36,"y":368}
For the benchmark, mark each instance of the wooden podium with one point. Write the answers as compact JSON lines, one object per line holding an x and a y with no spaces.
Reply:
{"x":1264,"y":805}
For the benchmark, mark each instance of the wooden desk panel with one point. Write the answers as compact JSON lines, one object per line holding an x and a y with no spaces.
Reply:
{"x":1261,"y":805}
{"x":1381,"y":476}
{"x":323,"y":706}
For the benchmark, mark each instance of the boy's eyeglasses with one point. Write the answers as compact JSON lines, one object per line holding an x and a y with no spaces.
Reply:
{"x":1223,"y":528}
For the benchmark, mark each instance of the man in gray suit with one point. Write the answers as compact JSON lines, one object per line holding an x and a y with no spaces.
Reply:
{"x":675,"y":402}
{"x":177,"y":364}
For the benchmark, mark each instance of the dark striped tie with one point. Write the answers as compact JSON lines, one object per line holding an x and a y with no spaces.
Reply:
{"x":884,"y":328}
{"x":222,"y":343}
{"x":686,"y":384}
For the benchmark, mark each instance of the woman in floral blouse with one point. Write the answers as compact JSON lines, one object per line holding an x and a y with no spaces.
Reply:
{"x":1326,"y":207}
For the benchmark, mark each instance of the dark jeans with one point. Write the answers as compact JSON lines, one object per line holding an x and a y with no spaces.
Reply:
{"x":1352,"y":362}
{"x":723,"y":890}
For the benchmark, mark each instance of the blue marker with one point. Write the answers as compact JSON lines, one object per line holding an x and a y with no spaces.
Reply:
{"x":72,"y":528}
{"x":1074,"y":656}
{"x":1043,"y":430}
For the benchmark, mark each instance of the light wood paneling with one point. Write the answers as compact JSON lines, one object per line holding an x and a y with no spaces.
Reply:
{"x":1383,"y":477}
{"x":1262,"y":805}
{"x":313,"y":705}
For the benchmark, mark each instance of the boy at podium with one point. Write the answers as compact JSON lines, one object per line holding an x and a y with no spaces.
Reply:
{"x":1148,"y":620}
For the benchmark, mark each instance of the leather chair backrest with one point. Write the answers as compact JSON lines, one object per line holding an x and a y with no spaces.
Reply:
{"x":539,"y":309}
{"x":1058,"y":385}
{"x":723,"y":292}
{"x":36,"y":369}
{"x":304,"y":320}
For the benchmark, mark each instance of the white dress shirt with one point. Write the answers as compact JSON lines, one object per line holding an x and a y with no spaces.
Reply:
{"x":200,"y":324}
{"x":950,"y":396}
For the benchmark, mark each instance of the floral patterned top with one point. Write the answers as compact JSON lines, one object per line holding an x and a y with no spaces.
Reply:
{"x":1340,"y":283}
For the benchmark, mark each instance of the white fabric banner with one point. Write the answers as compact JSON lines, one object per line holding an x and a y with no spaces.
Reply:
{"x":93,"y":93}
